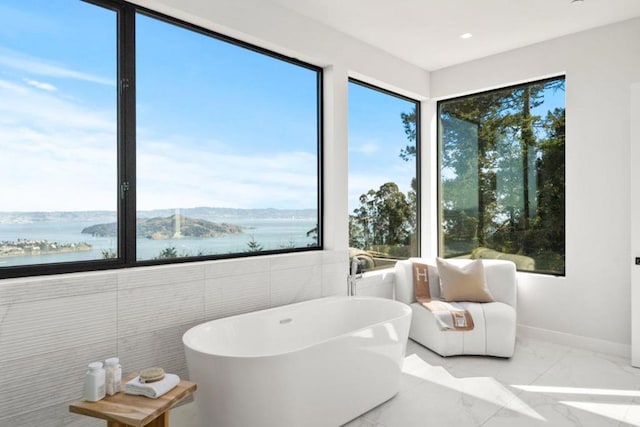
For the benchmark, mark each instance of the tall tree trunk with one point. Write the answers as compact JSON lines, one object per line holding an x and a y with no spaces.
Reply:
{"x":527,"y":140}
{"x":482,"y":153}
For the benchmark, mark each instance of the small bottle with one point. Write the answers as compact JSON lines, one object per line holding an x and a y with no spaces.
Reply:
{"x":113,"y":376}
{"x":94,"y":380}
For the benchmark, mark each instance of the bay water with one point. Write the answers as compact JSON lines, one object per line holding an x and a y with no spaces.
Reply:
{"x":269,"y":233}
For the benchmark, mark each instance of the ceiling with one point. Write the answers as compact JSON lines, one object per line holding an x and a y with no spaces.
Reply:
{"x":427,"y":32}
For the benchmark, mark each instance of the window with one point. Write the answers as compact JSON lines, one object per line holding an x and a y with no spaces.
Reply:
{"x":502,"y":192}
{"x":227,"y":151}
{"x":58,"y":130}
{"x":383,"y":166}
{"x":141,"y":139}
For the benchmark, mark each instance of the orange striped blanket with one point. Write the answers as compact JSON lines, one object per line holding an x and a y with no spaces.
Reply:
{"x":450,"y":316}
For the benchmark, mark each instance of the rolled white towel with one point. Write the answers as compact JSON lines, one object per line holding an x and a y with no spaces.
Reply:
{"x":154,"y":389}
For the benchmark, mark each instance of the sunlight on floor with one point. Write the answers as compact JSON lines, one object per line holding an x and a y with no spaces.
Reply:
{"x":624,"y":412}
{"x":618,"y":412}
{"x":484,"y":388}
{"x":578,"y":390}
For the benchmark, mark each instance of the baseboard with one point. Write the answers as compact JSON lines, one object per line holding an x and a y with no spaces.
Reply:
{"x":577,"y":341}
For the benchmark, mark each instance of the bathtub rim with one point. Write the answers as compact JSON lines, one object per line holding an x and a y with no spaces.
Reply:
{"x":406,"y":311}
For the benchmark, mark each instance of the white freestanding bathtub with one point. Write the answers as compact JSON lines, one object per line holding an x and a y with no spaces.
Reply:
{"x":316,"y":363}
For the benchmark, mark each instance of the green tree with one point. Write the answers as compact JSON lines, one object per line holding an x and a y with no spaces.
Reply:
{"x":410,"y":129}
{"x":168,"y":253}
{"x":384,"y":217}
{"x":313,"y":233}
{"x":410,"y":153}
{"x":254,"y":246}
{"x":108,"y":254}
{"x":497,"y":174}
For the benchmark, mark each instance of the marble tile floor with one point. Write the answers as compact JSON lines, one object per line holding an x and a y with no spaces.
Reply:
{"x":543,"y":384}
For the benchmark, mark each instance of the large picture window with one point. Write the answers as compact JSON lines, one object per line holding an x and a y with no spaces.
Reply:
{"x":227,"y":151}
{"x":130,"y":138}
{"x":502,"y":181}
{"x":58,"y":130}
{"x":383,"y":176}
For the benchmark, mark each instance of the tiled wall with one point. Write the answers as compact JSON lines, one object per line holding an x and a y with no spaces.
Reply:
{"x":51,"y":327}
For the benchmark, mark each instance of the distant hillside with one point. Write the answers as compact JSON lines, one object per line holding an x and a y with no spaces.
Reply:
{"x":232,"y":213}
{"x":171,"y":227}
{"x":208,"y":213}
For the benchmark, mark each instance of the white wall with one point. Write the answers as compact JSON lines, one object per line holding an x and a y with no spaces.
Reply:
{"x":590,"y":304}
{"x":51,"y":327}
{"x":634,"y":194}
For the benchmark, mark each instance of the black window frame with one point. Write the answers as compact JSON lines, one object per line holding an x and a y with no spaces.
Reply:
{"x":418,"y":142}
{"x":126,"y":150}
{"x":439,"y":215}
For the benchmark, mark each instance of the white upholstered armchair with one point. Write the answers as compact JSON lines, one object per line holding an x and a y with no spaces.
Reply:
{"x":494,"y":329}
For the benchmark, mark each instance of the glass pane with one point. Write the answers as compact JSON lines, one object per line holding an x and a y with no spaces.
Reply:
{"x":58,"y":168}
{"x":382,"y":177}
{"x":227,"y":147}
{"x":502,"y":176}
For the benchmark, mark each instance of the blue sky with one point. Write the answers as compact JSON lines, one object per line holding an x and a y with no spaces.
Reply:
{"x":376,"y":138}
{"x":217,"y":125}
{"x":57,"y":117}
{"x":213,"y":115}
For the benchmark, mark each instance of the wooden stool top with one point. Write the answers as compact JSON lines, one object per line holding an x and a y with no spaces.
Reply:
{"x":133,"y":410}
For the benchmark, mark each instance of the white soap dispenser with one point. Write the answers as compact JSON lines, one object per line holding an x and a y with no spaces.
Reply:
{"x":94,"y":382}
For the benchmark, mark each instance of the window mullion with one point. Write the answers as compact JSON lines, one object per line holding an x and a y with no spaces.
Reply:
{"x":127,"y":136}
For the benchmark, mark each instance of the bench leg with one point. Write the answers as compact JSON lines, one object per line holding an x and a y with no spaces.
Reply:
{"x":161,"y":421}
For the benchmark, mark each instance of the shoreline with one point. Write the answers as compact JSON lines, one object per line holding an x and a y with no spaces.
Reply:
{"x":20,"y":248}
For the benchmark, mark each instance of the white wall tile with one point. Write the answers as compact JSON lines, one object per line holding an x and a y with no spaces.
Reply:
{"x":35,"y":382}
{"x":143,"y":277}
{"x":162,"y":348}
{"x":331,"y":257}
{"x":295,"y":285}
{"x":376,"y":284}
{"x":334,"y":279}
{"x":294,"y":260}
{"x":17,"y":291}
{"x":154,"y":307}
{"x":213,"y":299}
{"x":54,"y":416}
{"x":235,"y":267}
{"x":38,"y":327}
{"x":240,"y":294}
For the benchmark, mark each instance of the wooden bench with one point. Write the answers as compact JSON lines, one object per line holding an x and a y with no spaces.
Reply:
{"x":122,"y":409}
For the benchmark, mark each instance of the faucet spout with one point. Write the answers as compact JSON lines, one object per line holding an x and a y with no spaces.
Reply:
{"x":354,"y":275}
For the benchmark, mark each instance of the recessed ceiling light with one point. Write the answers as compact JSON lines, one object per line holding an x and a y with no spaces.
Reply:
{"x":466,"y":36}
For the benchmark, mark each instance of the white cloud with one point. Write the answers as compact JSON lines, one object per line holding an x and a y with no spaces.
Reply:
{"x":181,"y":175}
{"x":369,"y":147}
{"x":56,"y":154}
{"x":41,"y":85}
{"x":12,"y":87}
{"x":32,"y":65}
{"x":60,"y":154}
{"x":39,"y":109}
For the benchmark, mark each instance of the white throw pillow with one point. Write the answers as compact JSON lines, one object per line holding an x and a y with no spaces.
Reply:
{"x":463,"y":283}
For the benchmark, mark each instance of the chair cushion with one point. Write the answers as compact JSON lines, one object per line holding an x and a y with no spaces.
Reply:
{"x":494,"y":333}
{"x":463,"y":283}
{"x":500,"y":277}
